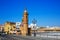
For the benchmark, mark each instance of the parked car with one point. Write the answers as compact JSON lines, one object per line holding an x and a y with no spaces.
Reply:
{"x":2,"y":34}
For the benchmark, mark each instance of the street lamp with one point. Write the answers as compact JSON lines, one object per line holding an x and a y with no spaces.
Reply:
{"x":34,"y":27}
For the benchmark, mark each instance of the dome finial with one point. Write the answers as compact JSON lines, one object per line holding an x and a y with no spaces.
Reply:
{"x":25,"y":10}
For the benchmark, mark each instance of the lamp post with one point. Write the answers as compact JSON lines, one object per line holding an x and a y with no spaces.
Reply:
{"x":34,"y":27}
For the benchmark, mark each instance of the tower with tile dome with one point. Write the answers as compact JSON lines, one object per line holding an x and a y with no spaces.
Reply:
{"x":24,"y":25}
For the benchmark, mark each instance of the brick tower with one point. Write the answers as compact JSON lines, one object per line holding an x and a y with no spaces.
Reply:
{"x":25,"y":22}
{"x":24,"y":25}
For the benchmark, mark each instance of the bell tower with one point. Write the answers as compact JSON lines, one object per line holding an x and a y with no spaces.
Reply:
{"x":25,"y":22}
{"x":24,"y":25}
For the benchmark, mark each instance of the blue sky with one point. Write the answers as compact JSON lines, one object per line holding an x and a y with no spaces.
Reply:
{"x":46,"y":12}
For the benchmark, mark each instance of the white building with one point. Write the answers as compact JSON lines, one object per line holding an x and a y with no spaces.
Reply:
{"x":1,"y":27}
{"x":33,"y":26}
{"x":18,"y":24}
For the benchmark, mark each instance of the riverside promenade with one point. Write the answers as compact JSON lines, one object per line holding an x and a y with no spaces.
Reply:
{"x":39,"y":36}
